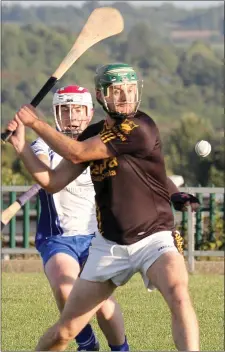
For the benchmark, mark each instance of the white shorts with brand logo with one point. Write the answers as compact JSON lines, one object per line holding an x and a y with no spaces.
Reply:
{"x":109,"y":260}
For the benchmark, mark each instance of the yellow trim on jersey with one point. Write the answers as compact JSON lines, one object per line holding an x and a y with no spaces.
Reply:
{"x":108,"y":138}
{"x":105,"y":134}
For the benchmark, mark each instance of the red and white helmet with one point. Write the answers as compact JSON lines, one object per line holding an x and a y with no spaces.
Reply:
{"x":72,"y":95}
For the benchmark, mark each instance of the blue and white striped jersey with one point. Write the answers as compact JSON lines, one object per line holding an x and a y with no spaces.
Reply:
{"x":72,"y":210}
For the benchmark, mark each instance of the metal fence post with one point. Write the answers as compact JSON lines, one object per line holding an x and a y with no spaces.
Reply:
{"x":191,"y":242}
{"x":212,"y":216}
{"x":26,"y":224}
{"x":12,"y":225}
{"x":198,"y":237}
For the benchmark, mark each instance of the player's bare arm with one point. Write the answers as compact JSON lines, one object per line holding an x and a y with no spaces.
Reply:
{"x":77,"y":152}
{"x":44,"y":158}
{"x":52,"y":180}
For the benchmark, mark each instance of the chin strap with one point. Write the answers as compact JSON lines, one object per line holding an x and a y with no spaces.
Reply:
{"x":116,"y":115}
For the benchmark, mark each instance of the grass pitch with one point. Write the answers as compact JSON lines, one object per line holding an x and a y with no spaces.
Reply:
{"x":28,"y":309}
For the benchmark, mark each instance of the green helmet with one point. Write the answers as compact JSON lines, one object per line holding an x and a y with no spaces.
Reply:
{"x":114,"y":74}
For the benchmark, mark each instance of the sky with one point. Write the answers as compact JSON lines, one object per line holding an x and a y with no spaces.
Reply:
{"x":185,"y":4}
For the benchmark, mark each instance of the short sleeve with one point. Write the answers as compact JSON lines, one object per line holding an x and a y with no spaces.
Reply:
{"x":40,"y":147}
{"x":91,"y":131}
{"x":132,"y":136}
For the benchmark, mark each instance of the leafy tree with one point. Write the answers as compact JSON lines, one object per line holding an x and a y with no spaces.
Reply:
{"x":10,"y":178}
{"x":32,"y":51}
{"x":200,"y":66}
{"x":179,"y":148}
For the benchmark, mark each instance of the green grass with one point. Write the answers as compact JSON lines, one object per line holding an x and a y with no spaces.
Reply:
{"x":28,"y":308}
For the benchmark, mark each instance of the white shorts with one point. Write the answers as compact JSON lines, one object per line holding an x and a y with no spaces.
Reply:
{"x":108,"y":260}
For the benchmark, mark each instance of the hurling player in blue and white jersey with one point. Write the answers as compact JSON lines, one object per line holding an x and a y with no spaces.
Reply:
{"x":68,"y":222}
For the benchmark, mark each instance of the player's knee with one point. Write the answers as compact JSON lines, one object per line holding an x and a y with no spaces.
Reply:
{"x":65,"y":334}
{"x":107,"y":309}
{"x":178,"y":295}
{"x":61,"y":293}
{"x":61,"y":297}
{"x":58,"y":334}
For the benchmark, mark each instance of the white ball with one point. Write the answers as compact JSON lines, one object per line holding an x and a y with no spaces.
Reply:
{"x":203,"y":148}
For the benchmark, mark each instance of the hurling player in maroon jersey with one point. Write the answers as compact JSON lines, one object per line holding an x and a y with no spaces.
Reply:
{"x":135,"y":220}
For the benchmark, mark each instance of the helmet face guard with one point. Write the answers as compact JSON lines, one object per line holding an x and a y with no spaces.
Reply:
{"x":120,"y":90}
{"x":122,"y":98}
{"x":73,"y":110}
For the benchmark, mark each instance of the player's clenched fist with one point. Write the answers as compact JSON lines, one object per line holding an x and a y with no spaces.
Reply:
{"x":18,"y":137}
{"x":27,"y":114}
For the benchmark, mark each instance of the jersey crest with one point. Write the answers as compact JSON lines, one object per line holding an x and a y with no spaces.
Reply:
{"x":127,"y":126}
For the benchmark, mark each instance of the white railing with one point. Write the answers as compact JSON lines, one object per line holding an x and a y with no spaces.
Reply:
{"x":191,"y":253}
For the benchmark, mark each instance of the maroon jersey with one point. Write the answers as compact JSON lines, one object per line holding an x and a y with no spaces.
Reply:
{"x":132,"y":196}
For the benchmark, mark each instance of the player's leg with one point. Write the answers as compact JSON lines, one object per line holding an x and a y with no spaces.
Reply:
{"x":169,"y":275}
{"x":62,"y":269}
{"x":111,"y":322}
{"x":109,"y":316}
{"x":85,"y":299}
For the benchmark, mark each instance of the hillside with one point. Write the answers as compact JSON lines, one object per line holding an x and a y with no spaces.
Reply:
{"x":183,"y":85}
{"x":163,"y":19}
{"x":32,"y":52}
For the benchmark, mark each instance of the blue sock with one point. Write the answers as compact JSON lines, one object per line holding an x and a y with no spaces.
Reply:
{"x":86,"y":339}
{"x":123,"y":347}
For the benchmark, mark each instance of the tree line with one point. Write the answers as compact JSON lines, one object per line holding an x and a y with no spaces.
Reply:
{"x":161,"y":17}
{"x":182,"y":89}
